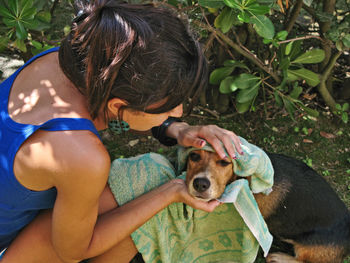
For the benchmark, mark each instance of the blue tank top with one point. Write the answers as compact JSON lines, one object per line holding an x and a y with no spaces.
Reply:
{"x":19,"y":205}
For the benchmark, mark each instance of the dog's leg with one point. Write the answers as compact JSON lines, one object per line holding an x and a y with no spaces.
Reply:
{"x":319,"y":253}
{"x":281,"y":258}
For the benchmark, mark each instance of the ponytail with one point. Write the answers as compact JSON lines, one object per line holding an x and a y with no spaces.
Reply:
{"x":137,"y":53}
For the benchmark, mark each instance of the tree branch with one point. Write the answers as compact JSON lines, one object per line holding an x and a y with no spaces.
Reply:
{"x":322,"y":87}
{"x":244,"y":52}
{"x":295,"y":13}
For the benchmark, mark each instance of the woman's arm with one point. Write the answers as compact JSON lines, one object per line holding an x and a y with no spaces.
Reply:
{"x":77,"y":232}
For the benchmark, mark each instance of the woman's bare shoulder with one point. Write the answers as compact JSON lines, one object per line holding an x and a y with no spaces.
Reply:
{"x":51,"y":159}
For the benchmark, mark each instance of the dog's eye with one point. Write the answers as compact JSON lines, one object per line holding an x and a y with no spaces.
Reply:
{"x":195,"y":157}
{"x":223,"y":163}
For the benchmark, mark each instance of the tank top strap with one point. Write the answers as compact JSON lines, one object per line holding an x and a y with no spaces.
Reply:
{"x":67,"y":124}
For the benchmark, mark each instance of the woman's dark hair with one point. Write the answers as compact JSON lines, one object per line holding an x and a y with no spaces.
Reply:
{"x":138,"y":53}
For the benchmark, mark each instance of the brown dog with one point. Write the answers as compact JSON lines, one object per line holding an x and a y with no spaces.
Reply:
{"x":302,"y":210}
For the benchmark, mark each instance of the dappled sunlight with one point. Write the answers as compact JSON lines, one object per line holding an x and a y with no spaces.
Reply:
{"x":41,"y":103}
{"x":57,"y":101}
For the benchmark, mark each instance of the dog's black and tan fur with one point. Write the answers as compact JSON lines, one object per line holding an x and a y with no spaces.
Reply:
{"x":302,"y":210}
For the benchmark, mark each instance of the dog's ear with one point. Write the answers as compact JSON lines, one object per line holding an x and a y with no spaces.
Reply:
{"x":233,"y":178}
{"x":186,"y":165}
{"x":248,"y":178}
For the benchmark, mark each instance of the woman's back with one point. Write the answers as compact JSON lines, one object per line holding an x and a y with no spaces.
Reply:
{"x":35,"y":102}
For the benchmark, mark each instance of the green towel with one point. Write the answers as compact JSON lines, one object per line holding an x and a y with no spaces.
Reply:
{"x":255,"y":163}
{"x":180,"y":233}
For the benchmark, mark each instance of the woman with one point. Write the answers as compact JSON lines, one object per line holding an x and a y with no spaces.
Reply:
{"x":121,"y":62}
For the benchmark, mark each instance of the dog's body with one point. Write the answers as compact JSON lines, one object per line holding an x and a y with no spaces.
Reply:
{"x":302,"y":210}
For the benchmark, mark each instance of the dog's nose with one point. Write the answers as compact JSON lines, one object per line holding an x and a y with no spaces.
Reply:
{"x":201,"y":184}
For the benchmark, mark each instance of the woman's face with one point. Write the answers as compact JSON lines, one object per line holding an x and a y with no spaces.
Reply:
{"x":142,"y":121}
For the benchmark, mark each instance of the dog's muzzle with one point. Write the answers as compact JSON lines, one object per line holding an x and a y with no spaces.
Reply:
{"x":201,"y":184}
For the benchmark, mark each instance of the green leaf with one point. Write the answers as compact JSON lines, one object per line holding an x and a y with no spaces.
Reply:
{"x":28,"y":14}
{"x":227,"y":85}
{"x":21,"y":32}
{"x":245,"y":81}
{"x":289,"y":106}
{"x":233,"y":4}
{"x":345,"y":117}
{"x":9,"y":22}
{"x":244,"y":17}
{"x":44,"y":16}
{"x":234,"y":63}
{"x":309,"y":111}
{"x":6,"y":13}
{"x":14,"y":7}
{"x":247,"y":95}
{"x":247,"y":3}
{"x":339,"y":45}
{"x":282,"y":35}
{"x":295,"y":50}
{"x":20,"y":45}
{"x":225,"y":20}
{"x":288,"y":48}
{"x":263,"y":26}
{"x":310,"y":77}
{"x":36,"y":44}
{"x":285,"y":63}
{"x":3,"y":43}
{"x":257,"y":9}
{"x":26,"y":4}
{"x":345,"y":106}
{"x":346,"y":40}
{"x":291,"y":77}
{"x":266,"y":2}
{"x":312,"y":56}
{"x":297,"y":90}
{"x":308,"y":2}
{"x":211,"y":3}
{"x":278,"y":99}
{"x":219,"y":74}
{"x":243,"y":107}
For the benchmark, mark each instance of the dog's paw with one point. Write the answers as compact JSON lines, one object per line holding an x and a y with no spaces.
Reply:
{"x":281,"y":258}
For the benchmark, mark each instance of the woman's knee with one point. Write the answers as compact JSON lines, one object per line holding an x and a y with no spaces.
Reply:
{"x":33,"y":243}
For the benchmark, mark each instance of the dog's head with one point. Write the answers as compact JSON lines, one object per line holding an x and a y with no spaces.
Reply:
{"x":208,"y":174}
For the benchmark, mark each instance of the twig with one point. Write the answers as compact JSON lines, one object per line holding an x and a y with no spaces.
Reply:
{"x":209,"y":42}
{"x":271,"y":61}
{"x":240,"y":50}
{"x":217,"y":38}
{"x":294,"y":16}
{"x":53,"y":7}
{"x":199,"y":116}
{"x":300,"y":38}
{"x":217,"y":116}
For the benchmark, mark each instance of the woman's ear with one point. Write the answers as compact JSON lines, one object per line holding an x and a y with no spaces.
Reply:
{"x":114,"y":105}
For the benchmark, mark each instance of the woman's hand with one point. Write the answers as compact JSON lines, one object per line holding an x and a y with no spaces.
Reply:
{"x":196,"y":136}
{"x":182,"y":196}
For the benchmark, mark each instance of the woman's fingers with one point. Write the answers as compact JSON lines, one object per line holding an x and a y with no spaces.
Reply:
{"x":203,"y":205}
{"x":186,"y":198}
{"x":220,"y":139}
